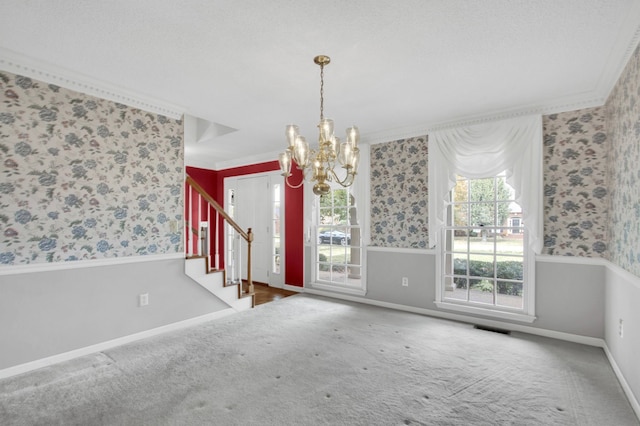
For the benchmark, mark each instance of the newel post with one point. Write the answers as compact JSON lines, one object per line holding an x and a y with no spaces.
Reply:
{"x":249,"y":280}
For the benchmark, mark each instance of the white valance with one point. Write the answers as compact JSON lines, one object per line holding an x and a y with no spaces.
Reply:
{"x":485,"y":150}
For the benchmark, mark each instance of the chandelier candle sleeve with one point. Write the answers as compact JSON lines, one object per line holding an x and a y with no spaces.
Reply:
{"x":292,"y":132}
{"x":323,"y":160}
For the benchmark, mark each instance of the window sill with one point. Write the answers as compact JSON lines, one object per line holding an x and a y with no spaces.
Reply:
{"x":356,"y":291}
{"x":513,"y":316}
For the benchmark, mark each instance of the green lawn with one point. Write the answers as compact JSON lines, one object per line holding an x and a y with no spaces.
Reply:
{"x":334,"y":252}
{"x":507,"y":246}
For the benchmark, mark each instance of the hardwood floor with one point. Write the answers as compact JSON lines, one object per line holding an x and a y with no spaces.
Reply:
{"x":266,"y":294}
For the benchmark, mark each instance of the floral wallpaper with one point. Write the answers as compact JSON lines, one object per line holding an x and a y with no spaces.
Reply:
{"x":399,"y":208}
{"x":623,"y":123}
{"x":575,"y":183}
{"x":84,"y":178}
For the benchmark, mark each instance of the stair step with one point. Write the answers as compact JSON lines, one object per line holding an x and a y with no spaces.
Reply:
{"x":215,"y":282}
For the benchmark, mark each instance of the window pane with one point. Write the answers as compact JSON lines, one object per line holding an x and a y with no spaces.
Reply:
{"x":461,"y":215}
{"x":324,"y":235}
{"x":276,"y":256}
{"x":510,"y":245}
{"x":340,"y":216}
{"x":482,"y":242}
{"x":509,"y":294}
{"x":338,"y":254}
{"x":460,"y":264}
{"x":324,"y":272}
{"x":455,"y":288}
{"x":460,"y":240}
{"x":326,"y":217}
{"x":461,"y":283}
{"x":483,"y":214}
{"x":481,"y":291}
{"x":510,"y":269}
{"x":340,"y":197}
{"x":482,"y":189}
{"x":481,"y":266}
{"x":503,"y":214}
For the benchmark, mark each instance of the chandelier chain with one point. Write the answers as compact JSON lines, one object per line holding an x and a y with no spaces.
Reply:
{"x":321,"y":92}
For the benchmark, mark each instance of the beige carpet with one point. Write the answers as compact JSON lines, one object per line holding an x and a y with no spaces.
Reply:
{"x":307,"y":360}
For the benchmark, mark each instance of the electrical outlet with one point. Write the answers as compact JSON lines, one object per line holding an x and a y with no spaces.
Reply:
{"x":173,"y":226}
{"x":621,"y":328}
{"x":405,"y":282}
{"x":143,"y":299}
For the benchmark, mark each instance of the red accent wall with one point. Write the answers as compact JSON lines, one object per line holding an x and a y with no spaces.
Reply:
{"x":294,"y":231}
{"x":206,"y":179}
{"x":213,"y":182}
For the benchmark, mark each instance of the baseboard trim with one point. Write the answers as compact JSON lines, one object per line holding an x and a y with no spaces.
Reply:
{"x":76,"y":353}
{"x":292,"y":288}
{"x":575,"y":338}
{"x":623,"y":382}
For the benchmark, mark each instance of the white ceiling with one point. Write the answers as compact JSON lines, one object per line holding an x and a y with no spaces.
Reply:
{"x":399,"y":67}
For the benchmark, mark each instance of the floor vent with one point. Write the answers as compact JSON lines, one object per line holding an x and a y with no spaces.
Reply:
{"x":493,"y":329}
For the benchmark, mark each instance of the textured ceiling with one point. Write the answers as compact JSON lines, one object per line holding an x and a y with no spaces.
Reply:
{"x":398,"y":67}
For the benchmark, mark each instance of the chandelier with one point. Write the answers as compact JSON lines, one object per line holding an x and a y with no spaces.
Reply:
{"x":322,"y":161}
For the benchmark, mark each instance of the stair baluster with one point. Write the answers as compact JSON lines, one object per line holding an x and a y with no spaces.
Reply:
{"x":196,"y":198}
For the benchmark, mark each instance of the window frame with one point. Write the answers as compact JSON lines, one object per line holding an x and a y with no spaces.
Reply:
{"x":345,"y":286}
{"x":527,"y":313}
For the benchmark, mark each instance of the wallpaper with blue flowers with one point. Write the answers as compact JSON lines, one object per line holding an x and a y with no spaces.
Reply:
{"x":83,"y":177}
{"x":575,"y":183}
{"x":399,"y":181}
{"x":623,"y":123}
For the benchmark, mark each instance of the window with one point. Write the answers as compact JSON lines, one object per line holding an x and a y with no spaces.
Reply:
{"x":484,"y":251}
{"x":276,"y":250}
{"x":338,"y":260}
{"x":503,"y":151}
{"x":232,"y":266}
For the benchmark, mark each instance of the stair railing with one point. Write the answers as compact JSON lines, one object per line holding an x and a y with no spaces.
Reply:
{"x":198,"y":238}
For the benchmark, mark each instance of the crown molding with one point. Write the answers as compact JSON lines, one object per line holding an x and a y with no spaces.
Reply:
{"x":545,"y":109}
{"x":20,"y":64}
{"x":245,"y":161}
{"x":594,"y":98}
{"x":611,"y":74}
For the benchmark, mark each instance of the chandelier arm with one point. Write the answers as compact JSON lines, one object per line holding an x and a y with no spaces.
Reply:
{"x":348,"y":180}
{"x":286,"y":180}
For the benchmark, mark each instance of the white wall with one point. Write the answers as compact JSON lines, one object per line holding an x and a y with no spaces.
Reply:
{"x":622,"y":301}
{"x":43,"y":314}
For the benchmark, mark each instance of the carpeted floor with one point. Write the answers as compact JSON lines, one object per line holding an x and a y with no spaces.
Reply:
{"x":307,"y":360}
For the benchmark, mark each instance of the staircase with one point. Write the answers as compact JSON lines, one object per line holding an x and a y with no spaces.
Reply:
{"x":203,"y":219}
{"x":231,"y":293}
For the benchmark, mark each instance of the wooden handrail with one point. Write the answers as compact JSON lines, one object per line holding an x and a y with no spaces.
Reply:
{"x":218,"y":208}
{"x":247,"y":236}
